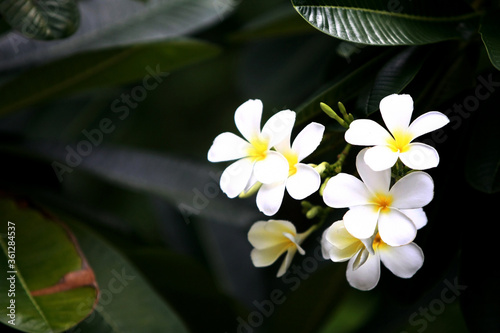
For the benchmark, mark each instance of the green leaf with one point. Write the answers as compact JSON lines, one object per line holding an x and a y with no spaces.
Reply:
{"x":345,"y":88}
{"x":490,"y":26}
{"x":382,"y":23}
{"x":127,"y":302}
{"x":53,"y":287}
{"x":42,"y":19}
{"x":394,"y":76}
{"x":149,"y":62}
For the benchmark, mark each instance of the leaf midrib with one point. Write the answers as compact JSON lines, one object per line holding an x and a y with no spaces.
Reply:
{"x":399,"y":15}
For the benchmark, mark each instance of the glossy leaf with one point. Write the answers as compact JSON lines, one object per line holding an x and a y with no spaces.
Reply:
{"x":149,"y":62}
{"x":53,"y":287}
{"x":490,"y":26}
{"x":394,"y":76}
{"x":380,"y":23}
{"x":127,"y":302}
{"x":42,"y":19}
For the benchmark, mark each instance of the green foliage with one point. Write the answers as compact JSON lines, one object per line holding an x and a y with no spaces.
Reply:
{"x":106,"y":123}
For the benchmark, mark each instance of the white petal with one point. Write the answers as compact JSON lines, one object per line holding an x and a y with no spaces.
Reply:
{"x":396,"y":111}
{"x":428,"y":122}
{"x":420,"y":156}
{"x":361,"y":221}
{"x":267,"y":256}
{"x":270,"y":197}
{"x":248,"y":117}
{"x":287,"y":261}
{"x":417,"y":216}
{"x":338,"y":236}
{"x":360,"y":258}
{"x":271,"y":169}
{"x":395,"y":228}
{"x":375,"y":181}
{"x":235,"y":177}
{"x":403,"y":261}
{"x":226,"y":147}
{"x":279,"y":127}
{"x":308,"y":140}
{"x":263,"y":234}
{"x":326,"y":246}
{"x":304,"y":182}
{"x":366,"y":132}
{"x":381,"y":158}
{"x":366,"y":276}
{"x":344,"y":190}
{"x":414,"y":190}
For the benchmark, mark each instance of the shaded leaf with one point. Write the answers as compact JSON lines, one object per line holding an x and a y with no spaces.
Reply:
{"x":490,"y":26}
{"x":394,"y":76}
{"x":107,"y":67}
{"x":127,"y":302}
{"x":52,"y":287}
{"x":42,"y":19}
{"x":341,"y":90}
{"x":377,"y":23}
{"x":116,"y":23}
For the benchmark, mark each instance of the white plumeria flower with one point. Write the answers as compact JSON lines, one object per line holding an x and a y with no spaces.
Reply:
{"x":365,"y":255}
{"x":303,"y":180}
{"x":396,"y":211}
{"x":256,"y":160}
{"x":396,"y":112}
{"x":273,"y":238}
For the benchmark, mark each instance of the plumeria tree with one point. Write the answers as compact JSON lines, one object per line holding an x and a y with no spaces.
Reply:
{"x":249,"y":166}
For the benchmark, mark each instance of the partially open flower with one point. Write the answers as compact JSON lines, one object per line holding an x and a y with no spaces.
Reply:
{"x":273,"y":238}
{"x":396,"y":112}
{"x":255,"y":159}
{"x":365,"y":255}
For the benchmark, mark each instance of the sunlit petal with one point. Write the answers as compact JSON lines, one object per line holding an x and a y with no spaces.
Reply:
{"x":272,"y":169}
{"x":248,"y":117}
{"x":395,"y":228}
{"x":403,"y":261}
{"x":396,"y":111}
{"x":270,"y":197}
{"x":308,"y":140}
{"x":414,"y":190}
{"x":417,"y":216}
{"x":279,"y":127}
{"x":344,"y":190}
{"x":375,"y":181}
{"x":235,"y":177}
{"x":361,"y":221}
{"x":366,"y":132}
{"x":420,"y":156}
{"x":226,"y":147}
{"x":304,"y":182}
{"x":428,"y":122}
{"x":381,"y":158}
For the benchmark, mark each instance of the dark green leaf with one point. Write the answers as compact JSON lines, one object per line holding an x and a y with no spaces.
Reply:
{"x":107,"y":67}
{"x":490,"y":26}
{"x":127,"y":302}
{"x":385,"y":23}
{"x":394,"y":76}
{"x":42,"y":19}
{"x":53,"y":286}
{"x":342,"y":90}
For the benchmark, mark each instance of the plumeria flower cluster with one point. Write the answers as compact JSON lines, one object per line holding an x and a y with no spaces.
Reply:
{"x":385,"y":204}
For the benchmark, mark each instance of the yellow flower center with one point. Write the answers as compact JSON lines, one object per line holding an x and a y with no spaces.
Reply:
{"x":382,"y":202}
{"x":292,"y":159}
{"x":400,"y":141}
{"x":377,"y":241}
{"x":259,"y":148}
